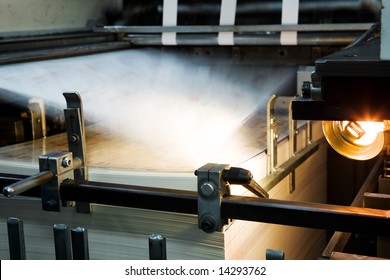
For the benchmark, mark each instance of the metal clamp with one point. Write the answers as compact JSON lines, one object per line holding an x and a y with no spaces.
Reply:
{"x":213,"y":184}
{"x":61,"y":165}
{"x":211,"y":188}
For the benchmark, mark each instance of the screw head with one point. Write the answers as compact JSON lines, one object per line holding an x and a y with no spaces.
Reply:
{"x":306,"y":89}
{"x":74,"y":138}
{"x":207,"y":189}
{"x":208,"y":224}
{"x":49,"y":205}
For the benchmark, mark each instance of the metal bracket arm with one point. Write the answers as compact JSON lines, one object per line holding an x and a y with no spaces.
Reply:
{"x":74,"y":121}
{"x":211,"y":188}
{"x":213,"y":184}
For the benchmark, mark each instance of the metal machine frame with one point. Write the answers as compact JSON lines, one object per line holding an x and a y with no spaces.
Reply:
{"x":212,"y":202}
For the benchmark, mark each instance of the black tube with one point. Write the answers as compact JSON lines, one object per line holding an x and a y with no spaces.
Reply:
{"x":17,"y":249}
{"x":80,"y":248}
{"x":307,"y":214}
{"x":157,"y":247}
{"x":303,"y":214}
{"x":62,"y":242}
{"x":130,"y":196}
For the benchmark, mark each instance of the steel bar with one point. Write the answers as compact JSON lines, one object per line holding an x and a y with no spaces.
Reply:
{"x":157,"y":247}
{"x":268,"y":182}
{"x":80,"y":246}
{"x":17,"y":249}
{"x":130,"y":196}
{"x":304,"y":39}
{"x":332,"y":27}
{"x":60,"y":52}
{"x":28,"y":183}
{"x":258,"y":7}
{"x":271,"y":254}
{"x":303,"y":214}
{"x":62,"y":242}
{"x":306,"y":214}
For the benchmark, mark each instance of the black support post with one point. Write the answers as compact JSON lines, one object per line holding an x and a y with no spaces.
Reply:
{"x":17,"y":249}
{"x":62,"y":242}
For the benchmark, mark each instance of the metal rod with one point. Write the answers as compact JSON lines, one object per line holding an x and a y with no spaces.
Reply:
{"x":130,"y":196}
{"x":58,"y":52}
{"x":17,"y":249}
{"x":80,"y":246}
{"x":157,"y":247}
{"x":292,"y":125}
{"x":237,"y":28}
{"x":272,"y":136}
{"x":304,"y":39}
{"x":268,"y":182}
{"x":311,"y":215}
{"x":303,"y":214}
{"x":271,"y":254}
{"x":28,"y":183}
{"x":258,"y":7}
{"x":62,"y":242}
{"x":307,"y":214}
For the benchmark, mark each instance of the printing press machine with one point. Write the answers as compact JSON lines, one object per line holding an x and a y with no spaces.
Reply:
{"x":277,"y":92}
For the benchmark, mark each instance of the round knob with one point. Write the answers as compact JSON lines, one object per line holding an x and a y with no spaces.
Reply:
{"x":207,"y":189}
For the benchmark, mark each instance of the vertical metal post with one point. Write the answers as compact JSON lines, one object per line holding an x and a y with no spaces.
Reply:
{"x":271,"y":254}
{"x":292,"y":144}
{"x":272,"y":136}
{"x":17,"y":249}
{"x":309,"y":134}
{"x":157,"y":247}
{"x":38,"y":118}
{"x":74,"y":122}
{"x":80,"y":243}
{"x":62,"y":242}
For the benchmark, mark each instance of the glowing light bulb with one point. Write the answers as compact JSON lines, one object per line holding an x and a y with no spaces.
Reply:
{"x":363,"y":133}
{"x":355,"y":139}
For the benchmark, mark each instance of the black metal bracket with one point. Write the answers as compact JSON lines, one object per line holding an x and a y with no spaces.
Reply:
{"x":60,"y":164}
{"x":211,"y":188}
{"x":74,"y":122}
{"x":213,"y":184}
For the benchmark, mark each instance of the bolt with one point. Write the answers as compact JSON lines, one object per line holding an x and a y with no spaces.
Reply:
{"x":306,"y":89}
{"x":208,"y":224}
{"x":74,"y":138}
{"x":66,"y":162}
{"x":207,"y":189}
{"x":49,"y":205}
